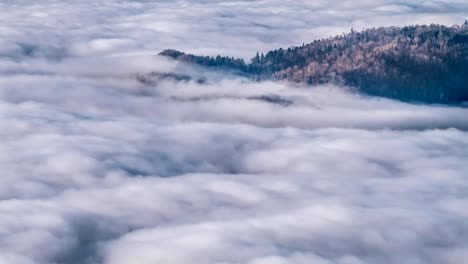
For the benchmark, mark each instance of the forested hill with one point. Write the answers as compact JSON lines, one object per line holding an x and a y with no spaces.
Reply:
{"x":413,"y":63}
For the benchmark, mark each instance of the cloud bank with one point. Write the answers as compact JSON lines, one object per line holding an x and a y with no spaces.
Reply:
{"x":100,"y":168}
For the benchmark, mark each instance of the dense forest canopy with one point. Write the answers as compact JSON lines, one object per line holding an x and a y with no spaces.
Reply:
{"x":412,"y":63}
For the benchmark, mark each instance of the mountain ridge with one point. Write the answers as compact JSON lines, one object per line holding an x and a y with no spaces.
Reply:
{"x":412,"y":63}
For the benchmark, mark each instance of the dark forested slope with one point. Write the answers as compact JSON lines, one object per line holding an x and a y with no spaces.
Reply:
{"x":413,"y":63}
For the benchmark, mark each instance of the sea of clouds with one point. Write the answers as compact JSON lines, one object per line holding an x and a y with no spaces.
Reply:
{"x":97,"y":167}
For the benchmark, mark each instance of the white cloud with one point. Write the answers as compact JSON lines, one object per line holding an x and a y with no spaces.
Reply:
{"x":81,"y":28}
{"x":88,"y":168}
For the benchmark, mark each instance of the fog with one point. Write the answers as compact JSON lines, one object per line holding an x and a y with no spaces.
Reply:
{"x":98,"y":167}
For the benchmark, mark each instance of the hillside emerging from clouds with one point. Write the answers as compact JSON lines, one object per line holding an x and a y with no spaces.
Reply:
{"x":110,"y":154}
{"x":412,"y":63}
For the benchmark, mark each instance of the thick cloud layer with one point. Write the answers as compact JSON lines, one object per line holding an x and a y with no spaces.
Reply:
{"x":107,"y":170}
{"x":100,"y":168}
